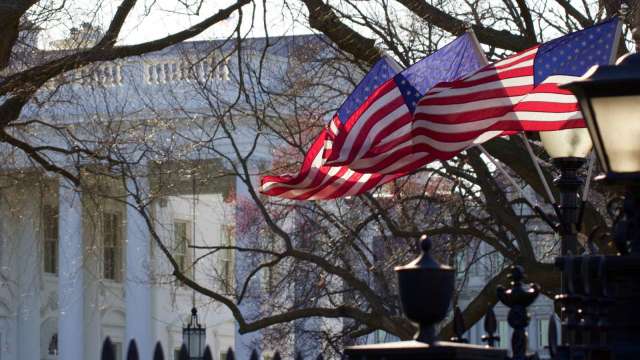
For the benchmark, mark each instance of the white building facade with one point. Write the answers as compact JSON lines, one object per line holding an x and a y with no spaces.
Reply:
{"x":79,"y":266}
{"x":70,"y":279}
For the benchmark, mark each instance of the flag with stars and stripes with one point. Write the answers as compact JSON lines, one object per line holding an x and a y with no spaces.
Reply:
{"x":383,"y":122}
{"x":519,"y":93}
{"x":315,"y":180}
{"x":378,"y":112}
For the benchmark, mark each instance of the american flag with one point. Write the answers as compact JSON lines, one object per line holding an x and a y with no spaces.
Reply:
{"x":315,"y":180}
{"x":382,"y":103}
{"x":382,"y":124}
{"x":515,"y":94}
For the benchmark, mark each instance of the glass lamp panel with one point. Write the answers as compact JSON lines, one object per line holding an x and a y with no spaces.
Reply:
{"x":186,"y":339}
{"x":193,"y":344}
{"x":567,"y":143}
{"x":201,"y":341}
{"x":618,"y":122}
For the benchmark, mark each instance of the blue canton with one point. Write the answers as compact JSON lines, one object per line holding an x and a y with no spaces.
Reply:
{"x":410,"y":94}
{"x":453,"y":61}
{"x":379,"y":73}
{"x":575,"y":53}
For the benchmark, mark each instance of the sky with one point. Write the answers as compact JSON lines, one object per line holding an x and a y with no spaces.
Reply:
{"x":152,"y":19}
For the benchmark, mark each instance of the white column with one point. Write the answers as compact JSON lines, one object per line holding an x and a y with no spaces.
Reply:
{"x":137,"y":282}
{"x":28,"y":275}
{"x":94,"y":302}
{"x":70,"y":274}
{"x":250,"y":307}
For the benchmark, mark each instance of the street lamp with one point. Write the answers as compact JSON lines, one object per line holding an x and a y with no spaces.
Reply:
{"x":605,"y":290}
{"x":566,"y":143}
{"x":194,"y":337}
{"x":568,"y":149}
{"x":609,"y":97}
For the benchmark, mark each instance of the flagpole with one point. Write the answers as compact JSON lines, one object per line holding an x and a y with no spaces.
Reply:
{"x":532,"y":202}
{"x":612,"y":59}
{"x":616,"y":39}
{"x":507,"y":175}
{"x":585,"y":189}
{"x":476,"y":44}
{"x":483,"y":58}
{"x":392,"y":62}
{"x":535,"y":205}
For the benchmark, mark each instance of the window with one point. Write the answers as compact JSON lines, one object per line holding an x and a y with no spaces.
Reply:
{"x":182,"y":240}
{"x":112,"y":246}
{"x":50,"y":238}
{"x":543,"y":333}
{"x":52,"y":349}
{"x":117,"y":349}
{"x":269,"y":279}
{"x":227,"y":258}
{"x":270,"y":274}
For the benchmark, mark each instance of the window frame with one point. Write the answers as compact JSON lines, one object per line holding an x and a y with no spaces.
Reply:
{"x":183,"y":259}
{"x":112,"y":269}
{"x":227,"y":239}
{"x":50,"y":238}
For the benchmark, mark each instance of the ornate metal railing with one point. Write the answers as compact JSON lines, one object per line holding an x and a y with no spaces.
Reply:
{"x":109,"y":353}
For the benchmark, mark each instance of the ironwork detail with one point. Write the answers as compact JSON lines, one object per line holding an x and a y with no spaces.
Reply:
{"x":517,"y":298}
{"x":183,"y":354}
{"x":132,"y":351}
{"x":108,"y":353}
{"x":254,"y":355}
{"x":158,"y":354}
{"x":107,"y":350}
{"x":207,"y":354}
{"x":230,"y":354}
{"x":459,"y":327}
{"x":490,"y":327}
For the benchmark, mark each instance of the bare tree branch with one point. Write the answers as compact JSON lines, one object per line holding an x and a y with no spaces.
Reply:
{"x":499,"y":38}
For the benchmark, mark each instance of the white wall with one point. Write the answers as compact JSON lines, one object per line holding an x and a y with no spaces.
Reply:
{"x":172,"y":304}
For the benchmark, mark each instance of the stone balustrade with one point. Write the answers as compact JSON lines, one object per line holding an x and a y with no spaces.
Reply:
{"x":155,"y":71}
{"x":107,"y":74}
{"x":168,"y":71}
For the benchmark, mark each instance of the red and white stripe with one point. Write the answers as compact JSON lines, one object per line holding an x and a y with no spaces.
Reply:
{"x":317,"y":181}
{"x":499,"y":99}
{"x":383,"y":113}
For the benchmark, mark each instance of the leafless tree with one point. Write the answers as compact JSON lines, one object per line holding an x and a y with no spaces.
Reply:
{"x":334,"y":257}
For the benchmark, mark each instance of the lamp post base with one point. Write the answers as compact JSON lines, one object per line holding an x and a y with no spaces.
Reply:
{"x":413,"y":350}
{"x":602,"y":321}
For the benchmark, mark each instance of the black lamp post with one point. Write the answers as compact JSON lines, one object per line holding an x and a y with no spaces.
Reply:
{"x":568,"y":150}
{"x":194,"y":337}
{"x":603,"y":291}
{"x":610,"y":101}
